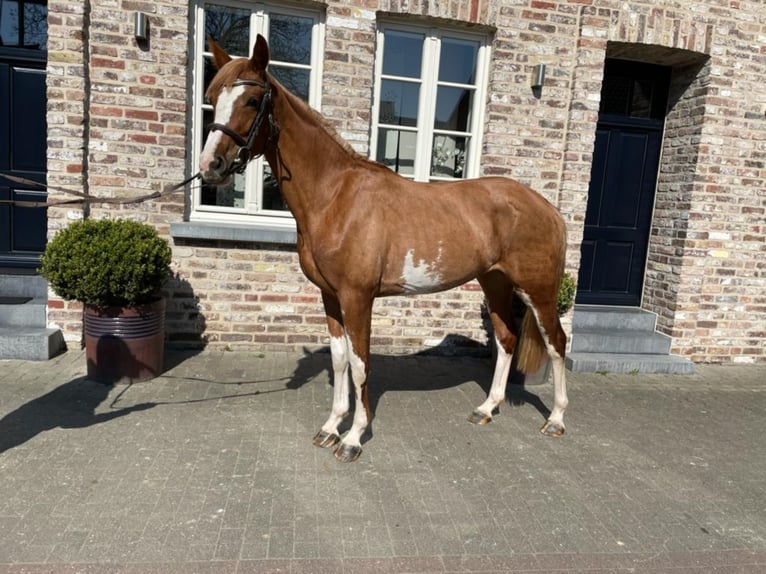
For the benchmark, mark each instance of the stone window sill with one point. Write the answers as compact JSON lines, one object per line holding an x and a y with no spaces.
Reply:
{"x":238,"y":233}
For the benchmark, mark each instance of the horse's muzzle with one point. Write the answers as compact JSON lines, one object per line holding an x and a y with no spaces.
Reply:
{"x":216,"y":172}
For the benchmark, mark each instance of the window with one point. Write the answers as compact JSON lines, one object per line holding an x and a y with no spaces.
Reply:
{"x":24,"y":24}
{"x":634,"y":89}
{"x":294,"y":46}
{"x":429,"y":102}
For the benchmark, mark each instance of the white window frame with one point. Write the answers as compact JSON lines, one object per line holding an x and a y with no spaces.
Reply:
{"x":252,"y":211}
{"x":429,"y":83}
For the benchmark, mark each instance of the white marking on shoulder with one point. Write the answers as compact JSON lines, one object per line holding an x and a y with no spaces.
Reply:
{"x":421,"y":276}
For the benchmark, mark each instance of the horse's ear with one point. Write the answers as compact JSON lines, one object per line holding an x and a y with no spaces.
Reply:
{"x":260,"y":58}
{"x":220,"y":57}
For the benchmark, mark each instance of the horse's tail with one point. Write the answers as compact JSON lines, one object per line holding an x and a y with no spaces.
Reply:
{"x":532,"y":352}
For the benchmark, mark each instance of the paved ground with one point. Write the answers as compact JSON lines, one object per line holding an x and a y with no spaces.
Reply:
{"x":210,"y":469}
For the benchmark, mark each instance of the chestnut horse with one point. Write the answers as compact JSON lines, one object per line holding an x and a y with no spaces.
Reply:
{"x":364,"y":232}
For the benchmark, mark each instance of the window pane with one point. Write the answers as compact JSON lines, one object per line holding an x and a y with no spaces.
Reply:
{"x":272,"y":197}
{"x":35,"y":25}
{"x":294,"y":79}
{"x":399,"y":103}
{"x":402,"y":54}
{"x":209,"y":73}
{"x":641,"y":106}
{"x":9,"y":23}
{"x":290,"y":38}
{"x":453,"y":109}
{"x":207,"y":119}
{"x":231,"y":195}
{"x":396,"y":149}
{"x":615,"y":95}
{"x":448,"y":156}
{"x":229,"y":28}
{"x":457,"y":62}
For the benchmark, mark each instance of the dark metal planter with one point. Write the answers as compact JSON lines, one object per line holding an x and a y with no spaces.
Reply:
{"x":125,"y":344}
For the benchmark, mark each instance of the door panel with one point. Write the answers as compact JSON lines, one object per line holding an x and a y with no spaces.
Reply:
{"x":23,"y":154}
{"x":619,"y":214}
{"x":28,"y":125}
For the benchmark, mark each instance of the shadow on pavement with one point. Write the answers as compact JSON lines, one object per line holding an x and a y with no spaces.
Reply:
{"x":71,"y":405}
{"x":74,"y":404}
{"x":433,"y":369}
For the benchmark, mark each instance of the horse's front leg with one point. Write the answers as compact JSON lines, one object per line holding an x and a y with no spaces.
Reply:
{"x":499,"y":294}
{"x":483,"y":413}
{"x":357,"y":315}
{"x":328,"y":435}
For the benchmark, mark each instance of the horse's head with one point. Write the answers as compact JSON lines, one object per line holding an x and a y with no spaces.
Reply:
{"x":241,"y":96}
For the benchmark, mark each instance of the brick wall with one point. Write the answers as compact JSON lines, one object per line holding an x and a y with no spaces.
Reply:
{"x":705,"y":276}
{"x":117,"y":114}
{"x":254,"y":296}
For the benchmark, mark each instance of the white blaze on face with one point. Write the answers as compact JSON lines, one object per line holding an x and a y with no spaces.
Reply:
{"x":223,"y":110}
{"x":421,"y":276}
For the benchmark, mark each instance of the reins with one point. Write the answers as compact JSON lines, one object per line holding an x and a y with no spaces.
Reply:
{"x":85,"y":199}
{"x":238,"y":165}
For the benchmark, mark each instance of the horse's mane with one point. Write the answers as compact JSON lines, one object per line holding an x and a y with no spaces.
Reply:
{"x":316,"y":117}
{"x":229,"y":73}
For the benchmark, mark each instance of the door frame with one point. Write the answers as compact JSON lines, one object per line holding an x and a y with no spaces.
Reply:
{"x":653,"y":124}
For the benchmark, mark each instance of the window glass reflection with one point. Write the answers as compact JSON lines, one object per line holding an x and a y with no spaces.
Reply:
{"x":453,"y":109}
{"x":448,"y":156}
{"x":457,"y":61}
{"x":396,"y":150}
{"x":229,"y":28}
{"x":9,"y":23}
{"x":35,"y":26}
{"x":24,"y":24}
{"x":230,"y":195}
{"x":398,"y":103}
{"x":402,"y":54}
{"x":294,"y":79}
{"x":290,"y":39}
{"x":272,"y":197}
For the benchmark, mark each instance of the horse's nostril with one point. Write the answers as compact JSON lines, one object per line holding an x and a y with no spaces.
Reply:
{"x":214,"y":171}
{"x":216,"y":164}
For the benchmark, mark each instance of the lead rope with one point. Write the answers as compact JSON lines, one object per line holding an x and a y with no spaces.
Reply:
{"x":84,"y":199}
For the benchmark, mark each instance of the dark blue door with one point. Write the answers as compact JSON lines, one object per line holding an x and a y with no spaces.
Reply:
{"x":623,"y":179}
{"x":23,"y":36}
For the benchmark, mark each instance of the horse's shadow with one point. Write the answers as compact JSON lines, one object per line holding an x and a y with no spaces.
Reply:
{"x":75,"y":404}
{"x":454,"y":363}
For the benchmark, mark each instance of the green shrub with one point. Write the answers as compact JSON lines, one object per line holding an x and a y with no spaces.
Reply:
{"x":107,"y":263}
{"x":566,"y":294}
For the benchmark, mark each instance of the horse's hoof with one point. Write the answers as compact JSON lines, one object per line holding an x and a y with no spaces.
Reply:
{"x":553,"y":429}
{"x":325,"y":439}
{"x":479,"y":418}
{"x":347,"y":452}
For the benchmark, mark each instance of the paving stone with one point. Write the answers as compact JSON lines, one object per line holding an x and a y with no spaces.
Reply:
{"x":210,"y":468}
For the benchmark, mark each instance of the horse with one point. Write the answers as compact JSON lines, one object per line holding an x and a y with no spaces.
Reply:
{"x":363,"y":231}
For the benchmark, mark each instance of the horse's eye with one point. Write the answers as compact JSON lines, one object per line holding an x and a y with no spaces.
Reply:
{"x":252,"y":102}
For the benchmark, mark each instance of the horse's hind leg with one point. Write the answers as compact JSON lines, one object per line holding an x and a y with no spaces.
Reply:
{"x":328,"y":436}
{"x":553,"y":338}
{"x":499,"y":294}
{"x":554,"y":426}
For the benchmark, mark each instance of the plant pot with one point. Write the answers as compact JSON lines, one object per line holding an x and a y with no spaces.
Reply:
{"x":125,"y":344}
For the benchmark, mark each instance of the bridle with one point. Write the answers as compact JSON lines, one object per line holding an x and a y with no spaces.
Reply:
{"x":244,"y":155}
